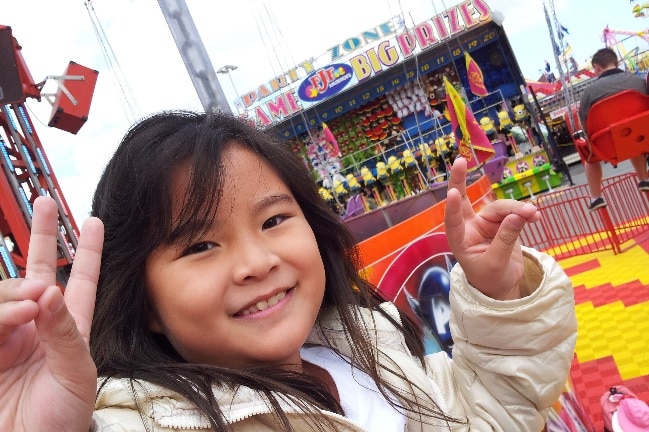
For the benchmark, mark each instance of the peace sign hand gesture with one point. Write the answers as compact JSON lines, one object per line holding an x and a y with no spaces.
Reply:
{"x":486,"y":243}
{"x":47,"y":376}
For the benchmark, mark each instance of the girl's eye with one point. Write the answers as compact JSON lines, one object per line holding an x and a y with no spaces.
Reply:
{"x":198,"y":248}
{"x":274,"y":221}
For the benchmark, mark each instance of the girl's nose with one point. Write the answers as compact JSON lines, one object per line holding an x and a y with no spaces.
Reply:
{"x":253,"y":260}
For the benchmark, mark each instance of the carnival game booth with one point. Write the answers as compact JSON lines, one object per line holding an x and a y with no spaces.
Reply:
{"x":370,"y":117}
{"x":386,"y":136}
{"x":400,"y":110}
{"x":527,"y":176}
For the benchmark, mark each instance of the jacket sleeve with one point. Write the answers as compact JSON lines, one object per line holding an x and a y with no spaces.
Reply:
{"x":511,"y":359}
{"x":584,"y":106}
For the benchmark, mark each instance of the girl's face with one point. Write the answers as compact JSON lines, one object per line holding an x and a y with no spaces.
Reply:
{"x":248,"y":291}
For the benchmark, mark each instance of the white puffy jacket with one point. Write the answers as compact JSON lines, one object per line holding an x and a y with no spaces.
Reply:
{"x":510,"y":363}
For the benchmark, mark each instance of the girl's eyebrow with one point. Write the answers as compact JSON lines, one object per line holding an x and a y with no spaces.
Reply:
{"x":188,"y":233}
{"x":191,"y":229}
{"x":271,"y":200}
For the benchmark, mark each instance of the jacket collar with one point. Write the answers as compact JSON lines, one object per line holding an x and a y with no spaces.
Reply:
{"x":610,"y":72}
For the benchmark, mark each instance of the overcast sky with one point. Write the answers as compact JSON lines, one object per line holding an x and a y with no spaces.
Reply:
{"x":146,"y":73}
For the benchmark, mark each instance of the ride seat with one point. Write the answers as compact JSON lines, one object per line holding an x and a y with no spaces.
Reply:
{"x":618,"y":126}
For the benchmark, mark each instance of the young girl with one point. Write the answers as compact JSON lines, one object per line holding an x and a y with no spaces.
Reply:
{"x":228,"y":297}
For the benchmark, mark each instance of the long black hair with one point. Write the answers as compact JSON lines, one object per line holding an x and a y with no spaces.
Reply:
{"x":133,"y":199}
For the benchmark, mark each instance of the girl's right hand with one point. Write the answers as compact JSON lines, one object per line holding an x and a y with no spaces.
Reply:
{"x":47,"y":376}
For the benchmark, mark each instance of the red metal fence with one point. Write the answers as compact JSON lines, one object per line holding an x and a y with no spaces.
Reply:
{"x":568,"y":228}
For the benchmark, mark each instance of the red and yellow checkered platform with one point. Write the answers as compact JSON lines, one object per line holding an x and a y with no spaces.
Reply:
{"x":612,"y":305}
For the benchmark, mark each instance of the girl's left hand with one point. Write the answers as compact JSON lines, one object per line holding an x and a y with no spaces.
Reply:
{"x":486,"y":243}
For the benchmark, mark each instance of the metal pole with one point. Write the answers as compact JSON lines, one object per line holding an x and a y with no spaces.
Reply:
{"x":548,"y":143}
{"x":564,"y":84}
{"x":191,"y":49}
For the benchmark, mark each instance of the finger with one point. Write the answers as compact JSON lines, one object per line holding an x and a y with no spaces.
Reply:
{"x":18,"y":304}
{"x":454,"y":220}
{"x":41,"y":258}
{"x":66,"y":352}
{"x":81,"y":289}
{"x":497,"y":210}
{"x":503,"y":244}
{"x":14,"y":314}
{"x":17,"y":295}
{"x":20,"y":289}
{"x":457,"y":179}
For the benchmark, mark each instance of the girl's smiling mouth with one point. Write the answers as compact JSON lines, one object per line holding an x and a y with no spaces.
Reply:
{"x":263,"y":305}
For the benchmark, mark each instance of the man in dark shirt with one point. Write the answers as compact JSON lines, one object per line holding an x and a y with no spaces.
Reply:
{"x":610,"y":80}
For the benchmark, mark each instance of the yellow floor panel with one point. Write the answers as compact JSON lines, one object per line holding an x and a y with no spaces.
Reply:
{"x":618,"y":331}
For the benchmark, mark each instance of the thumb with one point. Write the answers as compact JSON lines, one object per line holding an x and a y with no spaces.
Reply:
{"x":506,"y":238}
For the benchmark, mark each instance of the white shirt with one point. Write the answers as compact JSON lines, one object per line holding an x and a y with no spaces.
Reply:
{"x":360,"y":398}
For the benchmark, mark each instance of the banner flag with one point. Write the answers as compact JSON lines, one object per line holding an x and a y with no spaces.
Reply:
{"x":567,"y":53}
{"x":561,"y":31}
{"x":472,"y":141}
{"x":476,"y":79}
{"x":331,"y":139}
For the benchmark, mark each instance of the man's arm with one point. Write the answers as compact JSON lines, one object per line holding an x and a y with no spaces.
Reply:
{"x":584,"y":106}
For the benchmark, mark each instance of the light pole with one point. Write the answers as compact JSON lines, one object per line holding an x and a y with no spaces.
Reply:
{"x":226,"y":70}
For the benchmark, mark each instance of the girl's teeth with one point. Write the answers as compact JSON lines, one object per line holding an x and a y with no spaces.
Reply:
{"x":264,"y":304}
{"x":276,"y":298}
